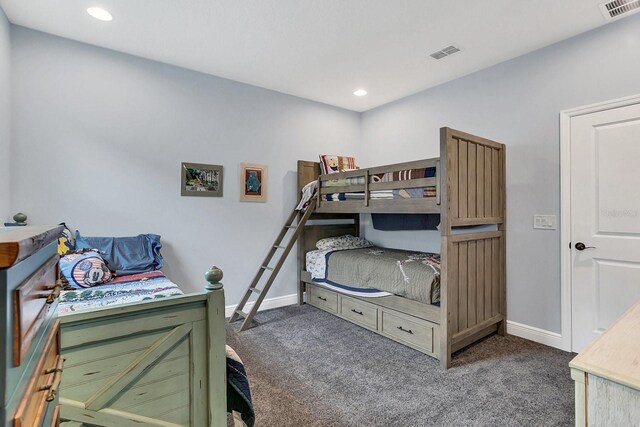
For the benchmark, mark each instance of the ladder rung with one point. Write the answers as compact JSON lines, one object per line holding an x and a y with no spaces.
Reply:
{"x":255,"y":290}
{"x":290,"y":226}
{"x":279,"y":247}
{"x":242,"y":313}
{"x":267,"y":268}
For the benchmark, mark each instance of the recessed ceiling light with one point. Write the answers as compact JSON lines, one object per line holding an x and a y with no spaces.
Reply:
{"x":100,"y":13}
{"x":360,"y":92}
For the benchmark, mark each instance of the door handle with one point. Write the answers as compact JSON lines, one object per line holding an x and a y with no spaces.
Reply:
{"x":581,"y":246}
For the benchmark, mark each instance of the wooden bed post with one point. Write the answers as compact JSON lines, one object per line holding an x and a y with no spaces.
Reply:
{"x":216,"y":338}
{"x":447,"y":167}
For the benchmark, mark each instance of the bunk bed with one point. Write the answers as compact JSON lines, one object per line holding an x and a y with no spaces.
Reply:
{"x":465,"y":186}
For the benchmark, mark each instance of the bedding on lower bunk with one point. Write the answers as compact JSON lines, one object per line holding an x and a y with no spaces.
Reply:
{"x":121,"y":290}
{"x":375,"y":272}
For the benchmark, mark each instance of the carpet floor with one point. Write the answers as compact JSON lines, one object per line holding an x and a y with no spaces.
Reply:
{"x":310,"y":368}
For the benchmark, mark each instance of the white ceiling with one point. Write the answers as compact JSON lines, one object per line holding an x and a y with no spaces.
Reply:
{"x":319,"y":49}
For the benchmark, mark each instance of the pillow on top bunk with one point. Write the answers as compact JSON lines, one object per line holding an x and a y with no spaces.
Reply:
{"x":330,"y":163}
{"x":84,"y":269}
{"x":126,"y":255}
{"x":343,"y":242}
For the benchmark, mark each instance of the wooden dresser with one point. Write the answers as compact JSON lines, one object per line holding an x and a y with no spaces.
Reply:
{"x":607,"y":376}
{"x":31,"y":365}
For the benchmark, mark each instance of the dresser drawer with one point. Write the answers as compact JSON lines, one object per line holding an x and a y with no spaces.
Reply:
{"x":323,"y":299}
{"x":359,"y":312}
{"x":33,"y":303}
{"x":415,"y":332}
{"x":43,"y":386}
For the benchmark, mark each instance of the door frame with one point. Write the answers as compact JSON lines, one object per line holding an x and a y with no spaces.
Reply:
{"x":565,"y":204}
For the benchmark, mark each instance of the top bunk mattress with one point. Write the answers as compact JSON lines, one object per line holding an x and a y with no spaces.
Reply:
{"x":121,"y":290}
{"x":367,"y":271}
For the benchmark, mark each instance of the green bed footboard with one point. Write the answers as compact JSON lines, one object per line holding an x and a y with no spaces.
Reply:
{"x":158,"y":363}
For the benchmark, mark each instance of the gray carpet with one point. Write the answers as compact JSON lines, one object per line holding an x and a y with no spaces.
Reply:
{"x":310,"y":368}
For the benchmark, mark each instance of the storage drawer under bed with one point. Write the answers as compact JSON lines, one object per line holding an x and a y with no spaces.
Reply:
{"x":411,"y":331}
{"x":359,"y":312}
{"x":323,"y":299}
{"x":414,"y":332}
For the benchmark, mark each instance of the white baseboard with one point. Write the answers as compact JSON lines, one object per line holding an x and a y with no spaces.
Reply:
{"x":267,"y":304}
{"x":552,"y":339}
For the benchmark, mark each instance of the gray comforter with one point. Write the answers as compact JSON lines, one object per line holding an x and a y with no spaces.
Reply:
{"x":413,"y":275}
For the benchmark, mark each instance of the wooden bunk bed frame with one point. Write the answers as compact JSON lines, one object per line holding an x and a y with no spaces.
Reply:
{"x":155,"y":363}
{"x":470,"y":191}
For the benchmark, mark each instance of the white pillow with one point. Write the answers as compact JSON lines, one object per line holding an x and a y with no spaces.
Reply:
{"x":343,"y":242}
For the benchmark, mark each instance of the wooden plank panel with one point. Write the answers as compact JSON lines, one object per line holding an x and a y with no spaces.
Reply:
{"x":453,"y":272}
{"x":496,"y":269}
{"x":495,"y":183}
{"x":462,"y":179}
{"x":472,"y":284}
{"x":81,"y":389}
{"x":480,"y":282}
{"x":140,"y":395}
{"x":103,"y":396}
{"x":475,"y":221}
{"x":488,"y":312}
{"x":110,"y":328}
{"x":480,"y":181}
{"x":452,"y":177}
{"x":106,"y":349}
{"x":487,"y":182}
{"x":463,"y":272}
{"x":472,"y":181}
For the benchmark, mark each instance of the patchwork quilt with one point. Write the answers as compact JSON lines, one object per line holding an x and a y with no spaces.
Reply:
{"x":121,"y":290}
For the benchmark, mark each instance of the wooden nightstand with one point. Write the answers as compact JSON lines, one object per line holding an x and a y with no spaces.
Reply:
{"x":607,"y":375}
{"x":31,"y":364}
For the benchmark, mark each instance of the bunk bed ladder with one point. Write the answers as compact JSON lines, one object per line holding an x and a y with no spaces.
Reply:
{"x":282,"y":247}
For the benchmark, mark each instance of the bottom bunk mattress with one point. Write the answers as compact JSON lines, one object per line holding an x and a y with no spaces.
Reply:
{"x":121,"y":290}
{"x":375,"y":272}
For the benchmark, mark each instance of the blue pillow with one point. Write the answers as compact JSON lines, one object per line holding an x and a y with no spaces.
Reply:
{"x":126,"y":255}
{"x":83,"y":270}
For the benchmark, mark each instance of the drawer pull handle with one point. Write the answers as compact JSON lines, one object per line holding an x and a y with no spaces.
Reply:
{"x":55,"y":292}
{"x":357,"y":312}
{"x":323,"y":299}
{"x":52,"y":389}
{"x":409,"y":331}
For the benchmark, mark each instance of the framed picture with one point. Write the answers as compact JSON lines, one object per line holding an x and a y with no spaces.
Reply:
{"x":201,"y":180}
{"x":253,"y":183}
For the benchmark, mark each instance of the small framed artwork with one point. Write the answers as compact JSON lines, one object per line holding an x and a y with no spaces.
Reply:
{"x":201,"y":180}
{"x":253,"y":183}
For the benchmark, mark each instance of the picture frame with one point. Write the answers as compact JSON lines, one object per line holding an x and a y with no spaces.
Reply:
{"x":253,"y":182}
{"x":201,"y":180}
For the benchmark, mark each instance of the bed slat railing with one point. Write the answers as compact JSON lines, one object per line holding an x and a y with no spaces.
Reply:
{"x":476,"y":191}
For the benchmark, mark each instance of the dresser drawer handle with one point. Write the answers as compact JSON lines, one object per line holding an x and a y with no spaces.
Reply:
{"x":357,"y":312}
{"x":409,"y":331}
{"x":323,"y":299}
{"x":52,"y":389}
{"x":55,"y":292}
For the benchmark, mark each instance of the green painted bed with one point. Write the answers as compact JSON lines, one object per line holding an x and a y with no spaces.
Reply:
{"x":156,"y":363}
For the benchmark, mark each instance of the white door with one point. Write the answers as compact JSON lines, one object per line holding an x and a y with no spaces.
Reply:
{"x":605,"y":219}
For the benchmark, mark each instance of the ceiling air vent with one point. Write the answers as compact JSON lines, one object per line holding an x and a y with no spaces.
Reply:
{"x":449,"y":50}
{"x":617,"y":8}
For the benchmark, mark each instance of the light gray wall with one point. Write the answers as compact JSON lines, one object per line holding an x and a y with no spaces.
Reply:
{"x":517,"y":103}
{"x":5,"y":118}
{"x":99,"y":137}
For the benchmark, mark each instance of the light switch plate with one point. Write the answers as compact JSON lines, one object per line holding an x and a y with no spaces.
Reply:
{"x":544,"y":222}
